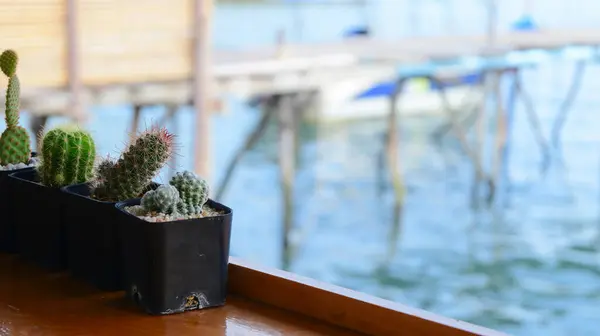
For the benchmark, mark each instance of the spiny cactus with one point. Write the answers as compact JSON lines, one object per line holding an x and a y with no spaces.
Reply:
{"x":164,"y":199}
{"x":14,"y":142}
{"x":67,"y":157}
{"x":8,"y":62}
{"x":193,"y":192}
{"x":133,"y":172}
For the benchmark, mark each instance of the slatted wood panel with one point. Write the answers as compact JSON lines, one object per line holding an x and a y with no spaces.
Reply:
{"x":135,"y":40}
{"x":35,"y":29}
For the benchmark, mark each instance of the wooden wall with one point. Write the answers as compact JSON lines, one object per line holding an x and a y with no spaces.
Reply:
{"x":36,"y":30}
{"x":135,"y":40}
{"x":120,"y":41}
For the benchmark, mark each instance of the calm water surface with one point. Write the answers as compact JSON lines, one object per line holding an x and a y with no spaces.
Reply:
{"x":528,"y":267}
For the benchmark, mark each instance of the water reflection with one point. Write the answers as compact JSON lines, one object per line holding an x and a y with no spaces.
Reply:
{"x":529,"y":264}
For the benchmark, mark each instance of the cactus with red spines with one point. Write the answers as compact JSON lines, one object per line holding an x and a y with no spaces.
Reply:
{"x":131,"y":174}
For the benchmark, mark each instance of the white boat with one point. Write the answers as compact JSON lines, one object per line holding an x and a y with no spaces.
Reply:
{"x":339,"y":102}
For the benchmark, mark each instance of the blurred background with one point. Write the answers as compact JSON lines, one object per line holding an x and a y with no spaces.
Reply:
{"x":315,"y":194}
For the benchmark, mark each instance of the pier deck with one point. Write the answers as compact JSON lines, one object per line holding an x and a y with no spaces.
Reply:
{"x":113,"y":74}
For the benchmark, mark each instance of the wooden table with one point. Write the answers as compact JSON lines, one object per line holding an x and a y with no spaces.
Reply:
{"x":34,"y":302}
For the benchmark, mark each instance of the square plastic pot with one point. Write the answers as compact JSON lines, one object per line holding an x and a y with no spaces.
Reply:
{"x":93,"y":241}
{"x":172,"y":267}
{"x":8,"y":233}
{"x":37,"y":212}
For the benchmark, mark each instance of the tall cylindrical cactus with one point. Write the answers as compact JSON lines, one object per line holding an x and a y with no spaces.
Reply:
{"x":14,"y":142}
{"x":133,"y":172}
{"x":67,"y":157}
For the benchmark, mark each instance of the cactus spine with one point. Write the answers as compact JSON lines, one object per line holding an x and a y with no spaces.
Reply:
{"x":14,"y":142}
{"x":67,"y":157}
{"x":133,"y":172}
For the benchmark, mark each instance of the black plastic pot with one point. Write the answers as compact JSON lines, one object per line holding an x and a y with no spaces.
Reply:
{"x":172,"y":267}
{"x":8,"y":234}
{"x":37,"y":212}
{"x":93,"y":243}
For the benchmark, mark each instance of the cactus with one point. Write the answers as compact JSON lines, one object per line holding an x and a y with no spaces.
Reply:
{"x":67,"y":157}
{"x":8,"y":62}
{"x":132,"y":173}
{"x":193,"y":192}
{"x":14,"y":142}
{"x":164,"y":199}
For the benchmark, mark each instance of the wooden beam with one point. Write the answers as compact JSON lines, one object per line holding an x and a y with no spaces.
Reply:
{"x":73,"y":61}
{"x":339,"y":306}
{"x":202,"y":81}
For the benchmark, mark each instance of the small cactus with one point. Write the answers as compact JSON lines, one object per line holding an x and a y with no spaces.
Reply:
{"x":133,"y":172}
{"x":67,"y":157}
{"x":8,"y":62}
{"x":193,"y":192}
{"x":14,"y":142}
{"x":164,"y":199}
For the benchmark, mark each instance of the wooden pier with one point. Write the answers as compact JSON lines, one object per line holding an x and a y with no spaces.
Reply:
{"x":79,"y":53}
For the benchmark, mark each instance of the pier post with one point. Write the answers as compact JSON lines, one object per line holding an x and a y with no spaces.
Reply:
{"x":269,"y":110}
{"x":135,"y":121}
{"x":500,"y":138}
{"x":202,"y":86}
{"x":287,"y":163}
{"x":171,"y":120}
{"x":393,"y":139}
{"x":73,"y":61}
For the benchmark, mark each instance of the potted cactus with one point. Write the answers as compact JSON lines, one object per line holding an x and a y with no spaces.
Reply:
{"x":67,"y":156}
{"x":176,"y":247}
{"x":15,"y":152}
{"x":94,"y":244}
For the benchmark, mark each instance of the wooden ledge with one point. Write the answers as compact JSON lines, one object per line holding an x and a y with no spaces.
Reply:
{"x":339,"y":306}
{"x":262,"y":301}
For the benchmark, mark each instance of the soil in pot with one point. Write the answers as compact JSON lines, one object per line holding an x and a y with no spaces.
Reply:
{"x":38,"y":216}
{"x":176,"y":263}
{"x":8,"y":234}
{"x":93,"y":242}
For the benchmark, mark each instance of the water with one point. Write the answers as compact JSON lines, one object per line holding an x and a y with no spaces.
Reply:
{"x":530,"y":267}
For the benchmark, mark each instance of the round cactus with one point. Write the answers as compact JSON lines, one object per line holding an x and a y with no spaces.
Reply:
{"x":164,"y":199}
{"x":14,"y":146}
{"x":193,"y":192}
{"x":8,"y":62}
{"x":67,"y":157}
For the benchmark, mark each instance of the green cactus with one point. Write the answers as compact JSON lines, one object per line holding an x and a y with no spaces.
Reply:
{"x":133,"y":172}
{"x":67,"y":157}
{"x":8,"y":62}
{"x":193,"y":192}
{"x":14,"y":142}
{"x":163,"y":200}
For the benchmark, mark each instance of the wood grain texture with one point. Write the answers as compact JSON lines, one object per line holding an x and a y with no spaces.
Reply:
{"x":33,"y":302}
{"x":339,"y":306}
{"x":135,"y":40}
{"x":35,"y":29}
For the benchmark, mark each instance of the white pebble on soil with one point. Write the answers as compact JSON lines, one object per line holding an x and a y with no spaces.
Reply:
{"x":139,"y":211}
{"x":32,"y":163}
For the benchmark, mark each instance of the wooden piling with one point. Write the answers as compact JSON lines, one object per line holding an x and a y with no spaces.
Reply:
{"x":202,"y":82}
{"x":287,"y":164}
{"x":135,"y":121}
{"x":500,"y":138}
{"x":393,"y":139}
{"x":73,"y":61}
